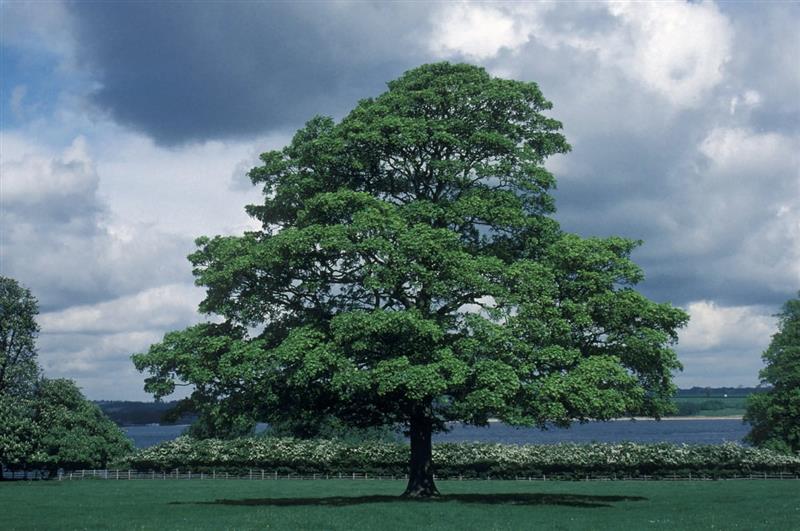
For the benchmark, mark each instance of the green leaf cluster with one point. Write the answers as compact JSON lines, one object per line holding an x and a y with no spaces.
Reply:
{"x":775,"y":414}
{"x":18,"y":330}
{"x":57,"y":427}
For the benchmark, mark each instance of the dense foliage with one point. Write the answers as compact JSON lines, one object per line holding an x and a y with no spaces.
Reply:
{"x":408,"y":272}
{"x":459,"y":459}
{"x":18,"y":330}
{"x":75,"y":432}
{"x":56,"y":427}
{"x":775,"y":415}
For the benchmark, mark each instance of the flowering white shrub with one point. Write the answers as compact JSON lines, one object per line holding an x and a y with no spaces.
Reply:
{"x":470,"y":459}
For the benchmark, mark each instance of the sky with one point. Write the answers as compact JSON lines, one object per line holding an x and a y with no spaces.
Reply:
{"x":127,"y":128}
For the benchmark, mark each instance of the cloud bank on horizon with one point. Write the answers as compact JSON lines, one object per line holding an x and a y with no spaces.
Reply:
{"x":127,"y":130}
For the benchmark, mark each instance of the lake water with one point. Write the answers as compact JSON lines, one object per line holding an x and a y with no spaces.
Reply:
{"x":699,"y":431}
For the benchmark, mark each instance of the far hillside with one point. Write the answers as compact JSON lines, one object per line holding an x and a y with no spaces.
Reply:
{"x":713,"y":401}
{"x":696,"y":401}
{"x":126,"y":413}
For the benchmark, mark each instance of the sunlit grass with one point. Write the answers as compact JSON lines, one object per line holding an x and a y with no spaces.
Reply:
{"x":340,"y":504}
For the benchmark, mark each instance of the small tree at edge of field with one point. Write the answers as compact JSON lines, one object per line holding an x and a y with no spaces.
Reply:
{"x":775,"y":414}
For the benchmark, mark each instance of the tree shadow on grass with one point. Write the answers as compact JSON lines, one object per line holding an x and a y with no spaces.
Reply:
{"x":570,"y":500}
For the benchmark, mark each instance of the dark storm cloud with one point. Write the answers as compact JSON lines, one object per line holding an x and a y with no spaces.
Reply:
{"x":644,"y":168}
{"x":194,"y":71}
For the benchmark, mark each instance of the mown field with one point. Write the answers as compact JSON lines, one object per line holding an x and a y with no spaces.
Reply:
{"x":341,"y":504}
{"x":711,"y":406}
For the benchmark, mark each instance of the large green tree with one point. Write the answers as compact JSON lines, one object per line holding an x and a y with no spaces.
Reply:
{"x":408,"y":272}
{"x":775,"y":414}
{"x":18,"y":330}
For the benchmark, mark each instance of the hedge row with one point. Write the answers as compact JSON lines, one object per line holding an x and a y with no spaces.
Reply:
{"x":291,"y":456}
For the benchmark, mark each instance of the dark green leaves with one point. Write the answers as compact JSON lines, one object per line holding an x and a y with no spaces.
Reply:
{"x":774,"y":414}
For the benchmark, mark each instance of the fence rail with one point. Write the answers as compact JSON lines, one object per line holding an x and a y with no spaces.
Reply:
{"x":265,"y":475}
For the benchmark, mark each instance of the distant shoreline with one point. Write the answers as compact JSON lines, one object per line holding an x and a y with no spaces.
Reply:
{"x":492,"y":421}
{"x":728,"y":417}
{"x":622,"y":419}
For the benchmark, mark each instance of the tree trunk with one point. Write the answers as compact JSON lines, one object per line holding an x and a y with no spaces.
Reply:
{"x":420,"y":471}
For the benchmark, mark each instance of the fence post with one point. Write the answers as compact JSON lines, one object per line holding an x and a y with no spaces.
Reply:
{"x":129,"y":473}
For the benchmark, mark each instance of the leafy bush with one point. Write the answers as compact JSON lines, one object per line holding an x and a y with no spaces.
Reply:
{"x":294,"y":456}
{"x":57,"y":427}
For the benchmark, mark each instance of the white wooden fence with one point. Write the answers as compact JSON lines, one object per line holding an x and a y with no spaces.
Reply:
{"x":263,"y":475}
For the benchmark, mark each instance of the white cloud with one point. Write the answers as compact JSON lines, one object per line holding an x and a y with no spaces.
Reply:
{"x":737,"y":327}
{"x":160,"y":308}
{"x":722,"y":345}
{"x":59,"y":238}
{"x":738,"y":151}
{"x":93,"y":343}
{"x":476,"y":31}
{"x":40,"y":26}
{"x":736,"y":207}
{"x":750,"y":99}
{"x":676,"y":49}
{"x":187,"y":189}
{"x":99,"y":363}
{"x":32,"y":177}
{"x":99,"y":229}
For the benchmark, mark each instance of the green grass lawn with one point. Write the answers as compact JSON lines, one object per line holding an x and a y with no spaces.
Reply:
{"x":340,"y":504}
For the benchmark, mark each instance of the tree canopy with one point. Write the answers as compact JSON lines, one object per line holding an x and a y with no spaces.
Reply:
{"x":409,"y":272}
{"x":775,"y":414}
{"x":56,"y":427}
{"x":18,"y":330}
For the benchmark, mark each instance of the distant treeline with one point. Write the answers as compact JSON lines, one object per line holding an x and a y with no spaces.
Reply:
{"x":708,"y":392}
{"x":126,"y":413}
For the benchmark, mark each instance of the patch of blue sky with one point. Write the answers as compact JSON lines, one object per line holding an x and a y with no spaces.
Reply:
{"x":35,"y":85}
